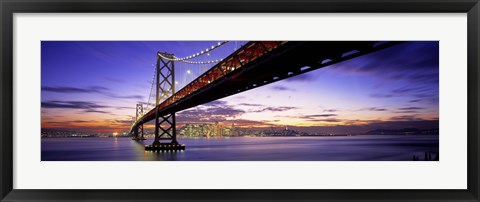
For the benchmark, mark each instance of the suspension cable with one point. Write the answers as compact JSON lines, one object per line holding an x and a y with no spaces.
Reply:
{"x":184,"y":59}
{"x":151,"y":88}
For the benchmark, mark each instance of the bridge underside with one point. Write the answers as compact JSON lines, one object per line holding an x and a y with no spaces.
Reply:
{"x":290,"y":59}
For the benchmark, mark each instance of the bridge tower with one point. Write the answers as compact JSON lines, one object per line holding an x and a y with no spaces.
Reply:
{"x":165,"y":126}
{"x":138,"y":130}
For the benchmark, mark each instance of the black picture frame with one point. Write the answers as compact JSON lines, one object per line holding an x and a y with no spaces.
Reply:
{"x":9,"y":7}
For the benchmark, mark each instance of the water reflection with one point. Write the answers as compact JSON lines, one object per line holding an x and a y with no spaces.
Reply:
{"x":139,"y":146}
{"x":354,"y":148}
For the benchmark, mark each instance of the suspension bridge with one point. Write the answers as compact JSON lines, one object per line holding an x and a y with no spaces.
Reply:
{"x":223,"y":72}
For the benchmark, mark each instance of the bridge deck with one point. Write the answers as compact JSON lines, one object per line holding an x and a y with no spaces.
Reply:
{"x":258,"y":64}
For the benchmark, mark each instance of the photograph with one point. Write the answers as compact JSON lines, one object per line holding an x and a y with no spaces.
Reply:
{"x":227,"y":100}
{"x":244,"y":101}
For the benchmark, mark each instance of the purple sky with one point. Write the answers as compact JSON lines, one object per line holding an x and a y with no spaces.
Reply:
{"x":94,"y":86}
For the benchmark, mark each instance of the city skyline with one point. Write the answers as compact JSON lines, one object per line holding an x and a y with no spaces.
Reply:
{"x":392,"y":88}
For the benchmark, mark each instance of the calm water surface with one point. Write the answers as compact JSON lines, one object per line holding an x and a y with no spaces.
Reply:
{"x":345,"y":148}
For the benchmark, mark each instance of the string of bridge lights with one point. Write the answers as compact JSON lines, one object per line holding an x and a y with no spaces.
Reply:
{"x":204,"y":62}
{"x":185,"y":59}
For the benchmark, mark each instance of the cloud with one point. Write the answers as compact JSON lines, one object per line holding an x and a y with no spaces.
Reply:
{"x":220,"y":111}
{"x":301,"y":78}
{"x":410,"y":89}
{"x":330,"y":120}
{"x":250,"y":105}
{"x":410,"y":108}
{"x":406,"y":57}
{"x":375,"y":109}
{"x":274,"y":109}
{"x":371,"y":125}
{"x":215,"y":103}
{"x":213,"y":108}
{"x":430,"y":92}
{"x":319,"y":118}
{"x":123,"y":122}
{"x":238,"y":97}
{"x":416,"y":62}
{"x":81,"y":121}
{"x":69,"y":123}
{"x":405,"y":118}
{"x":403,"y":90}
{"x":431,"y":77}
{"x":152,"y":102}
{"x":92,"y":129}
{"x":381,"y":95}
{"x":88,"y":107}
{"x":71,"y":105}
{"x":55,"y":122}
{"x":86,"y":125}
{"x":407,"y":112}
{"x":210,"y":114}
{"x":139,"y":97}
{"x":124,"y":107}
{"x":92,"y":89}
{"x":224,"y":111}
{"x":330,"y":110}
{"x":313,"y":116}
{"x":96,"y":111}
{"x":246,"y":122}
{"x":281,"y":88}
{"x":318,"y":115}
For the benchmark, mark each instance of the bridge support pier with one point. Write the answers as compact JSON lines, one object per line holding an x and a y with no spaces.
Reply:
{"x":138,"y":133}
{"x":165,"y":135}
{"x":165,"y":127}
{"x":138,"y":130}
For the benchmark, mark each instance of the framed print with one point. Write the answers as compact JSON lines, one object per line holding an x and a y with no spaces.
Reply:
{"x":239,"y":101}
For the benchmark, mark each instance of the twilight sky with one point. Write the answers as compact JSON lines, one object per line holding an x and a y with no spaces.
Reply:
{"x":94,"y":86}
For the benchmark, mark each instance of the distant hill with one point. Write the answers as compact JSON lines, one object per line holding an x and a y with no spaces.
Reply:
{"x":404,"y":131}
